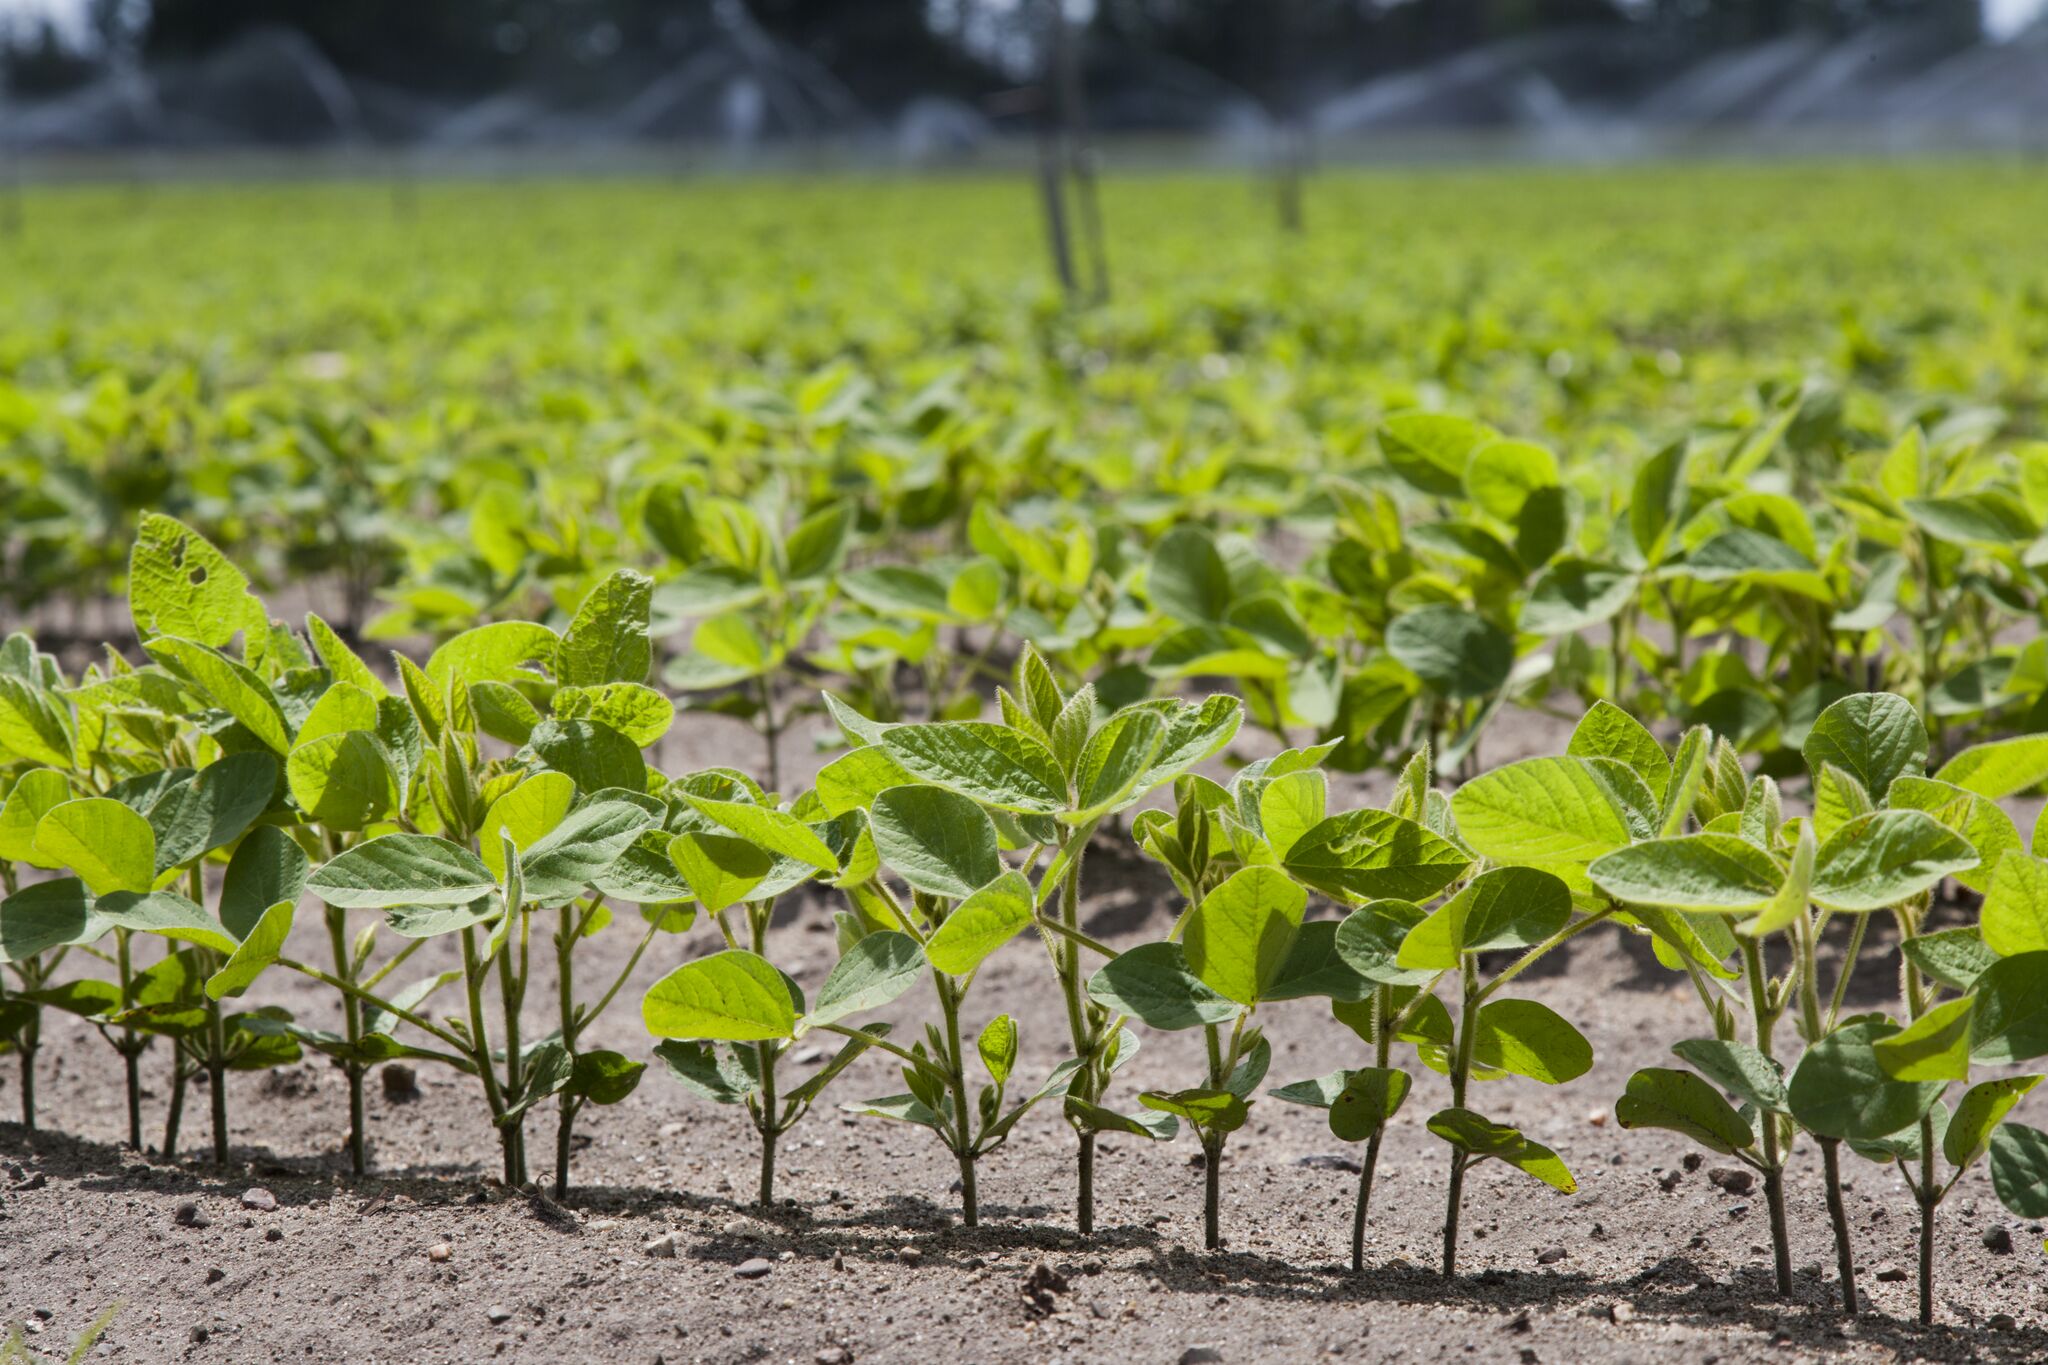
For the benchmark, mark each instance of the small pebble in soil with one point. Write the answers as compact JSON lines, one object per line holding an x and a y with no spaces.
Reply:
{"x":190,"y":1215}
{"x":440,"y":1251}
{"x":1693,"y":1160}
{"x":1733,"y":1179}
{"x":1997,"y":1240}
{"x":1519,"y":1322}
{"x":259,"y":1199}
{"x":1597,"y":1117}
{"x":498,"y":1314}
{"x":401,"y":1082}
{"x":752,"y":1269}
{"x":1737,"y":1210}
{"x":1328,"y":1161}
{"x":274,"y":1235}
{"x":216,"y":1275}
{"x":1201,"y":1355}
{"x":1890,"y":1274}
{"x":1668,"y":1181}
{"x":2003,"y":1322}
{"x":834,"y":1355}
{"x":199,"y":1336}
{"x":1622,"y":1312}
{"x":910,"y":1255}
{"x":662,"y":1247}
{"x":1550,"y":1256}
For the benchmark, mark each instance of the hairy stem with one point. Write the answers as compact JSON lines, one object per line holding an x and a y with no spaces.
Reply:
{"x":1382,"y":1049}
{"x":352,"y":1029}
{"x":963,"y":1112}
{"x":1461,"y":1071}
{"x":1766,"y":1020}
{"x":130,"y":1046}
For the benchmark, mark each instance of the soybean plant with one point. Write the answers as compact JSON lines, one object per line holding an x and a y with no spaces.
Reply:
{"x":1052,"y":770}
{"x":729,"y":1019}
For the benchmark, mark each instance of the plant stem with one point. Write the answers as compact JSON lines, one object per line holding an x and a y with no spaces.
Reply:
{"x":352,"y":1029}
{"x":511,"y":996}
{"x":963,"y":1112}
{"x":1461,"y":1071}
{"x":1930,"y":1199}
{"x":174,"y":1113}
{"x":1805,"y":936}
{"x":1766,"y":1021}
{"x":30,"y":1040}
{"x":766,"y":1055}
{"x":771,"y":731}
{"x":217,"y":1073}
{"x":565,"y":1003}
{"x":131,"y":1050}
{"x":1382,"y":1044}
{"x":1212,"y":1192}
{"x":1066,"y":963}
{"x":480,"y":1037}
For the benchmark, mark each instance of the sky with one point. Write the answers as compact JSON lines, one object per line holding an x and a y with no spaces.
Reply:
{"x":2002,"y":18}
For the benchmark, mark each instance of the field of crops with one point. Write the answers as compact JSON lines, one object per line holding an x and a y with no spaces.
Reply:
{"x":716,"y":772}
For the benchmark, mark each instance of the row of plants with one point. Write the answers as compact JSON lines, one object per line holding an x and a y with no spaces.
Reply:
{"x":497,"y":797}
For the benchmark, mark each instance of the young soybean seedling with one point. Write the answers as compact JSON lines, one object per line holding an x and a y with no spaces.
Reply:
{"x":1052,"y":771}
{"x":729,"y":1019}
{"x":964,"y":906}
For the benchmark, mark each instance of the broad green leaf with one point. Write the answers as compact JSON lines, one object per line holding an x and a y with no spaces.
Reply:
{"x":984,"y":922}
{"x":431,"y":921}
{"x":52,"y":914}
{"x":562,"y":863}
{"x":343,"y":706}
{"x":33,"y":726}
{"x":343,"y":780}
{"x":36,"y":794}
{"x":1989,"y":517}
{"x":1983,"y":824}
{"x":1500,"y":476}
{"x":259,"y":948}
{"x":1878,"y":860}
{"x":2001,"y":768}
{"x":1290,"y":806}
{"x":167,"y":914}
{"x":937,"y":840}
{"x":1953,"y":957}
{"x":1113,"y":761}
{"x":991,"y":763}
{"x":1484,"y":1138}
{"x":228,"y":685}
{"x":499,"y":652}
{"x":2011,"y":1022}
{"x":1872,"y":736}
{"x":1657,"y":497}
{"x":1934,"y":1047}
{"x":734,"y":995}
{"x":1432,"y":449}
{"x":179,"y":584}
{"x":1238,"y":938}
{"x":1458,"y":653}
{"x":638,"y":712}
{"x":1369,"y":942}
{"x":1212,"y":1111}
{"x":1153,"y":983}
{"x":775,"y":830}
{"x":874,"y":971}
{"x":527,"y":813}
{"x":853,"y":780}
{"x":1575,"y":594}
{"x":1371,"y":1095}
{"x":402,"y":869}
{"x":2019,"y":1169}
{"x":1187,"y":580}
{"x":1533,"y":1040}
{"x":1607,"y":731}
{"x":1314,"y":969}
{"x":1555,"y":813}
{"x":1982,"y":1108}
{"x":607,"y":641}
{"x":594,"y":755}
{"x":1840,"y":1089}
{"x":1665,"y":1097}
{"x":1504,"y":907}
{"x":2015,"y":914}
{"x":721,"y":869}
{"x":214,"y":809}
{"x":997,"y":1046}
{"x":721,"y":1075}
{"x":1838,"y":798}
{"x":109,"y":846}
{"x":1095,"y":1118}
{"x":267,"y":868}
{"x":1372,"y":854}
{"x":341,"y":662}
{"x":1721,"y":873}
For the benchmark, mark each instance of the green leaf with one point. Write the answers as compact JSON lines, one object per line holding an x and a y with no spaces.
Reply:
{"x":1840,"y":1089}
{"x":1991,"y":517}
{"x":527,"y":813}
{"x":2002,"y":768}
{"x":1501,"y":475}
{"x":39,"y":791}
{"x":52,"y":914}
{"x":1114,"y":760}
{"x":1369,"y":942}
{"x":853,"y":780}
{"x":267,"y":868}
{"x":938,"y":841}
{"x":343,"y":706}
{"x":179,"y":584}
{"x":1153,"y":983}
{"x":1574,"y":594}
{"x":874,"y":971}
{"x":341,"y":662}
{"x":1982,"y":1108}
{"x":1872,"y":736}
{"x":722,"y":869}
{"x":228,"y":685}
{"x":991,"y":763}
{"x":1188,"y":580}
{"x":1657,"y":497}
{"x":1095,"y":1118}
{"x":1371,"y":854}
{"x":2015,"y":914}
{"x":1607,"y":731}
{"x":1556,"y":813}
{"x":1484,"y":1138}
{"x":734,"y":995}
{"x":259,"y":948}
{"x":1313,"y":968}
{"x":431,"y":921}
{"x":343,"y":781}
{"x":33,"y":726}
{"x":1458,"y":653}
{"x":985,"y":921}
{"x":594,"y":755}
{"x":997,"y":1046}
{"x":166,"y":914}
{"x":1505,"y":907}
{"x":214,"y":809}
{"x":639,"y":713}
{"x":1953,"y":957}
{"x":604,"y":1077}
{"x":607,"y":642}
{"x":2011,"y":1022}
{"x":721,"y":1075}
{"x":568,"y":858}
{"x":1238,"y":938}
{"x":1879,"y":860}
{"x":109,"y":846}
{"x":1290,"y":806}
{"x":1530,"y":1039}
{"x":1982,"y":823}
{"x":1211,"y":1111}
{"x":777,"y":831}
{"x":818,"y":544}
{"x":1371,"y":1095}
{"x":1665,"y":1097}
{"x":1431,"y":449}
{"x":1721,"y":873}
{"x":1934,"y":1047}
{"x":402,"y":869}
{"x":499,"y":652}
{"x":2019,"y":1169}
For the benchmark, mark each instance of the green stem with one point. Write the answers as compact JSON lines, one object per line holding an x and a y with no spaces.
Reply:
{"x":766,"y":1055}
{"x":352,"y":1029}
{"x":1074,"y":935}
{"x":511,"y":998}
{"x":1766,"y":1020}
{"x":479,"y":1046}
{"x":1529,"y":958}
{"x":565,"y":1004}
{"x":174,"y":1113}
{"x":1805,"y":940}
{"x":963,"y":1112}
{"x":1067,"y":961}
{"x":1383,"y":1043}
{"x":1461,"y":1071}
{"x":1926,"y":1192}
{"x":216,"y":1076}
{"x":130,"y":1046}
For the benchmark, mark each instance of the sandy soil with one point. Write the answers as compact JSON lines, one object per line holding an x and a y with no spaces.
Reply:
{"x":866,"y":1260}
